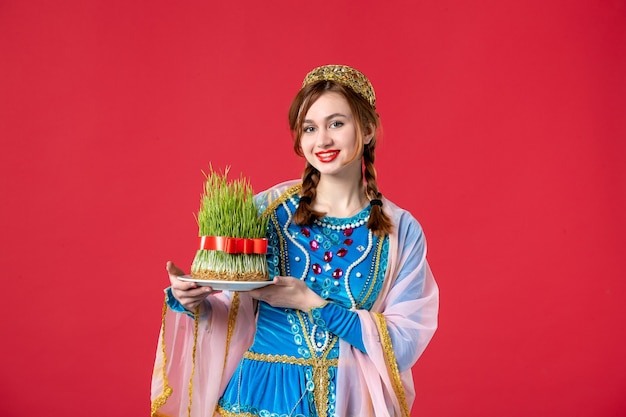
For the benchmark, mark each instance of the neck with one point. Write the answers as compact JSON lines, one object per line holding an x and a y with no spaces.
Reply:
{"x":340,"y":197}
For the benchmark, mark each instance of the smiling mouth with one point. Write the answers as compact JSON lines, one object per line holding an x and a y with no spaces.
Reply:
{"x":326,"y":156}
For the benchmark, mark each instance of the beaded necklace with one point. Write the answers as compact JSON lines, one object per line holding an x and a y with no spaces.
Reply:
{"x":342,"y":226}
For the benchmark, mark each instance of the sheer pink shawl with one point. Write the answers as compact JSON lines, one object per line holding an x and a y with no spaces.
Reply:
{"x":192,"y":354}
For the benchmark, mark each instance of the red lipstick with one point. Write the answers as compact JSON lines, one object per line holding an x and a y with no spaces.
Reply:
{"x":327,"y":156}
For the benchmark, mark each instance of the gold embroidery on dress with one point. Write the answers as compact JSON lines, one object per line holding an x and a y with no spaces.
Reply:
{"x":286,"y":359}
{"x":281,"y":243}
{"x":226,"y":413}
{"x":374,"y":275}
{"x":271,"y":211}
{"x":392,"y":364}
{"x":282,"y":198}
{"x":320,"y":371}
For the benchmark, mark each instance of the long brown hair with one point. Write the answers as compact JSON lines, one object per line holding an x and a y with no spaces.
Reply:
{"x":366,"y":122}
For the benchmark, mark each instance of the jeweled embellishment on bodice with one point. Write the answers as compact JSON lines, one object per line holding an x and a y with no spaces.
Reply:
{"x":328,"y":256}
{"x":332,"y":247}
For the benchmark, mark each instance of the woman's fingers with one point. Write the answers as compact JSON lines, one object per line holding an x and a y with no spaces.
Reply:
{"x":189,"y":294}
{"x":190,"y":298}
{"x":180,"y":285}
{"x":173,"y":269}
{"x":174,"y":272}
{"x":288,"y":292}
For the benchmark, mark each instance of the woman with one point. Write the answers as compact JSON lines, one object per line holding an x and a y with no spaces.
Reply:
{"x":353,"y":304}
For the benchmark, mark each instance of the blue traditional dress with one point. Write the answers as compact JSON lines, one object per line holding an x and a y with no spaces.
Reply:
{"x":351,"y":357}
{"x":290,"y":369}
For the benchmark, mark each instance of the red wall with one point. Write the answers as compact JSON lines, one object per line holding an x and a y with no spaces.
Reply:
{"x":504,"y":133}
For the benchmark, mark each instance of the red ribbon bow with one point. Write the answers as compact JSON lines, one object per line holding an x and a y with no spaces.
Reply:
{"x":234,"y":245}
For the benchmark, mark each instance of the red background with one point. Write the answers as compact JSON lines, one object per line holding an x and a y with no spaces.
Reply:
{"x":504,"y":133}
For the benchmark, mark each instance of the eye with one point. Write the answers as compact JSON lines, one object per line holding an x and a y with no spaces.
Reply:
{"x":336,"y":124}
{"x":308,"y":129}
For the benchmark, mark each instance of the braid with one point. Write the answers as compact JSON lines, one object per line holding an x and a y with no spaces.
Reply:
{"x":379,"y":222}
{"x":304,"y":213}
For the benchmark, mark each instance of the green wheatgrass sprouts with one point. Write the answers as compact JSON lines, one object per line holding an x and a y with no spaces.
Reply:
{"x":227,"y":209}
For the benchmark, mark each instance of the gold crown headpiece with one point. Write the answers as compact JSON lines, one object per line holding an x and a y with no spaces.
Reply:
{"x":346,"y":76}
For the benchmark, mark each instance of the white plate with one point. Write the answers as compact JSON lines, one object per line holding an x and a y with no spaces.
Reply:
{"x":227,"y":285}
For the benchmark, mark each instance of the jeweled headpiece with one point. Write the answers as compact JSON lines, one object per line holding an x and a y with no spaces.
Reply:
{"x":346,"y":76}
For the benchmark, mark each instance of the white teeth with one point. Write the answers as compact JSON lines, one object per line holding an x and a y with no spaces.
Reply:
{"x":327,"y":154}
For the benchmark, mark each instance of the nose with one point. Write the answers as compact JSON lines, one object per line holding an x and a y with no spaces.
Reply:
{"x":324,"y":138}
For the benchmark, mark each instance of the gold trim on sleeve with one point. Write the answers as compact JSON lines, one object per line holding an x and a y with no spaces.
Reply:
{"x":232,"y":319}
{"x":167,"y":390}
{"x":196,"y":319}
{"x":392,"y":364}
{"x":282,"y":198}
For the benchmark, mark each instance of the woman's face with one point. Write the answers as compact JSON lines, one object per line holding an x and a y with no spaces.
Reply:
{"x":329,"y":137}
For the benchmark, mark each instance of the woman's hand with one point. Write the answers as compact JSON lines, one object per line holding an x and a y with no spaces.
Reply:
{"x":189,"y":294}
{"x":288,"y":292}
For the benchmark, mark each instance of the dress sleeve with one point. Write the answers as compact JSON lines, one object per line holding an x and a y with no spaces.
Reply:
{"x":192,"y":367}
{"x":411,"y":306}
{"x":176,"y":306}
{"x":340,"y":321}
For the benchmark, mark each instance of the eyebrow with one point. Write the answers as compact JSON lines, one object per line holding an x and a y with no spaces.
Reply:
{"x":332,"y":116}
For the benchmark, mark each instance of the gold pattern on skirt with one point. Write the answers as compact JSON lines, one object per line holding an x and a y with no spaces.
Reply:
{"x":320,"y":367}
{"x":286,"y":359}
